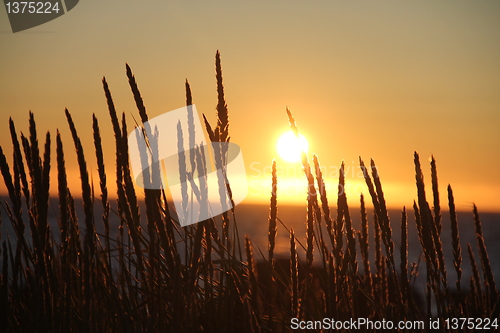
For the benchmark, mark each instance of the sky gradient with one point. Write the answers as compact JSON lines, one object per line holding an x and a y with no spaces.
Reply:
{"x":372,"y":79}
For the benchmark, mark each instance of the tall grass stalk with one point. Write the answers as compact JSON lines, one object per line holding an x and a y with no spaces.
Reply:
{"x":146,"y":272}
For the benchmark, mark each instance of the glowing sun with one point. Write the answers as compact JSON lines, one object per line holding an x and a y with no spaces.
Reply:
{"x":290,"y":147}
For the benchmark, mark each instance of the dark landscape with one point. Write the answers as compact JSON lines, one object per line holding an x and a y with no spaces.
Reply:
{"x":84,"y":262}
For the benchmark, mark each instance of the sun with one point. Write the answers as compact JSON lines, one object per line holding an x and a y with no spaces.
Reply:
{"x":290,"y":147}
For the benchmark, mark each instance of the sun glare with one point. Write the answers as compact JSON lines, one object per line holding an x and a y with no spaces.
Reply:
{"x":290,"y":147}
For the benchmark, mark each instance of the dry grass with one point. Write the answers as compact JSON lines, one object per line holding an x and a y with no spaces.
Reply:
{"x":155,"y":275}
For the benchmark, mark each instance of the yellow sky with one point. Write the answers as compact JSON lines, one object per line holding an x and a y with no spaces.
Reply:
{"x":362,"y":78}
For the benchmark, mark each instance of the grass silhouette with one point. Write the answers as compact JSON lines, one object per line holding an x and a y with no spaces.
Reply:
{"x":158,"y":276}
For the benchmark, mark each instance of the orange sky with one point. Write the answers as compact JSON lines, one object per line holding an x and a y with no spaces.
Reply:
{"x":372,"y":79}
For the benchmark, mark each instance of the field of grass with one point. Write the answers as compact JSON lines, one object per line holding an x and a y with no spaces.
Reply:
{"x":156,"y":276}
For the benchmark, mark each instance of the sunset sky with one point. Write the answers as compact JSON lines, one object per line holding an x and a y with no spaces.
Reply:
{"x":376,"y":79}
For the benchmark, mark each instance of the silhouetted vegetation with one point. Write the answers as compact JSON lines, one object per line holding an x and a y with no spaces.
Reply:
{"x":155,"y":275}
